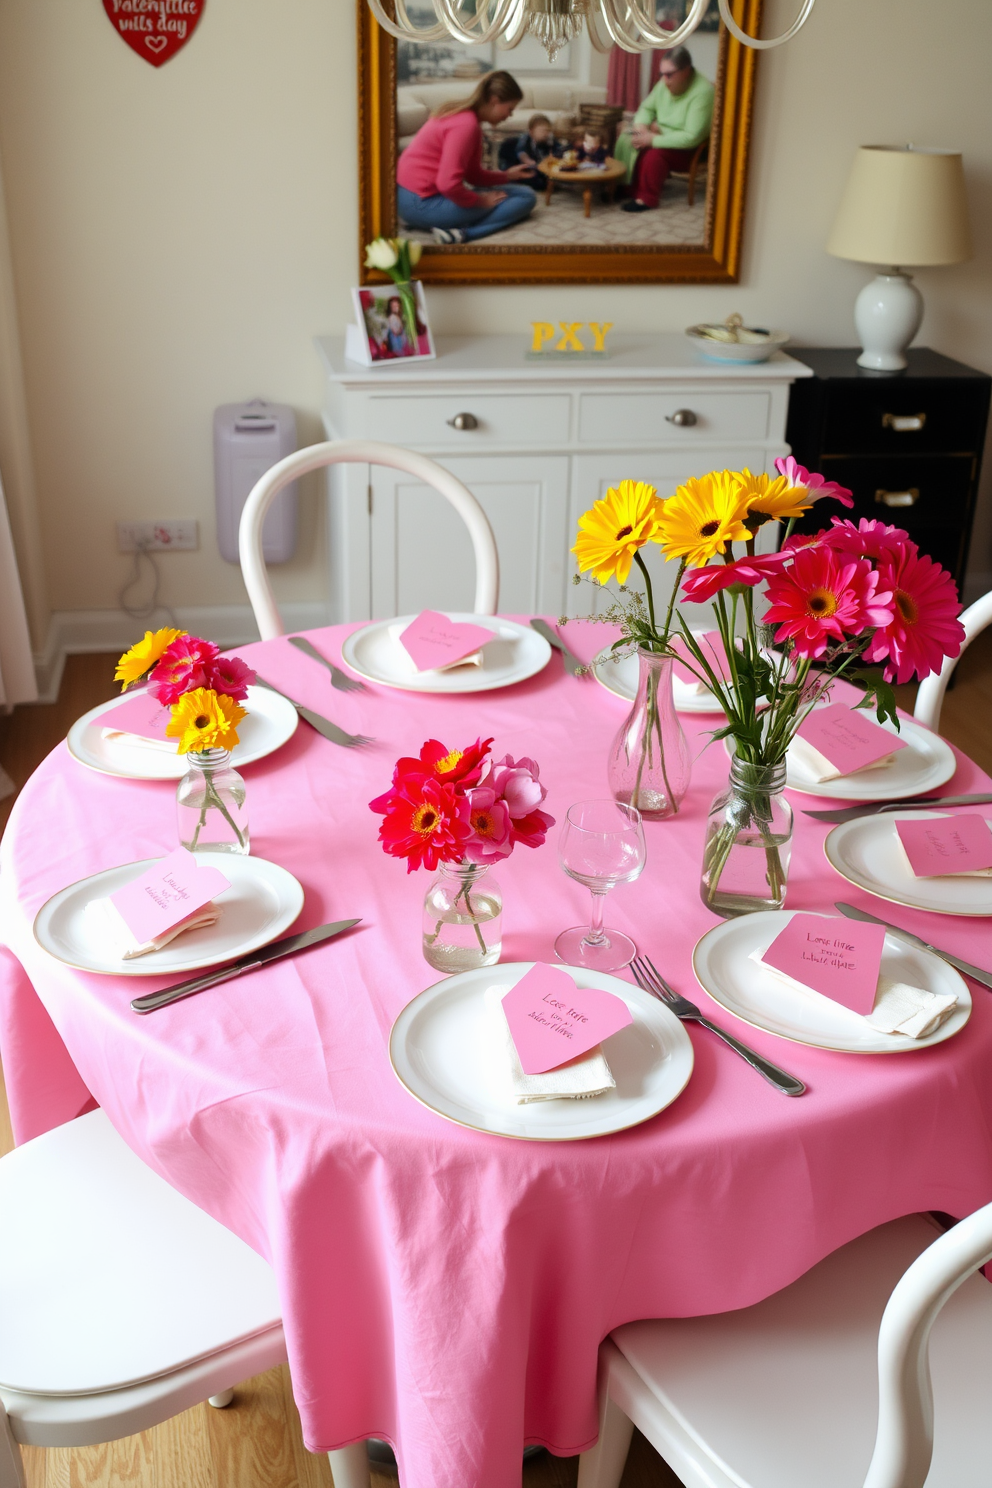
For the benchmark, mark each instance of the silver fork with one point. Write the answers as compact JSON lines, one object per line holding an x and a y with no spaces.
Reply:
{"x":339,"y":679}
{"x":649,"y":979}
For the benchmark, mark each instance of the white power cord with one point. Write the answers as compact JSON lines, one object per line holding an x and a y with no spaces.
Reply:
{"x":144,"y":611}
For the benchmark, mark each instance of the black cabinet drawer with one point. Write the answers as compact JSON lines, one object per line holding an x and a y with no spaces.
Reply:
{"x":904,"y":417}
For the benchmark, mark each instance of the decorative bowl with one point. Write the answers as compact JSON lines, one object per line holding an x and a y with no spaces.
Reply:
{"x":735,"y":351}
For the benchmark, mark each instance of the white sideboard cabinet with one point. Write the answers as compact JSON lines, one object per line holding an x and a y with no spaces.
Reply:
{"x":536,"y":444}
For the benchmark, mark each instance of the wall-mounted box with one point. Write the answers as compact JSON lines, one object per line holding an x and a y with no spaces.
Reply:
{"x":249,"y":438}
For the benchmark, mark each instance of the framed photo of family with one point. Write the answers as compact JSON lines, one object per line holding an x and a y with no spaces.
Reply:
{"x":391,"y":326}
{"x":595,"y":167}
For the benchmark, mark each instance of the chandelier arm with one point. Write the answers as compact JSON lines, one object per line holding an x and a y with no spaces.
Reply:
{"x":752,"y":41}
{"x":592,"y":28}
{"x":403,"y":19}
{"x":516,"y":28}
{"x":616,"y":29}
{"x":429,"y":33}
{"x":654,"y":36}
{"x":474,"y":34}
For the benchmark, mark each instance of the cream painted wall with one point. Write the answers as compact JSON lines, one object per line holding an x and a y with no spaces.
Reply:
{"x":179,"y":235}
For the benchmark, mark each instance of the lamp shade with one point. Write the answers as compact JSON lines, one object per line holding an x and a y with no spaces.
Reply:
{"x":903,"y":206}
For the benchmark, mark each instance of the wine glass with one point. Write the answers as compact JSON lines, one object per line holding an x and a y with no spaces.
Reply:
{"x":601,"y":844}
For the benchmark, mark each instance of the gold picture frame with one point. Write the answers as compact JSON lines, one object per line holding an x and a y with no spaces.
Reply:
{"x":716,"y":261}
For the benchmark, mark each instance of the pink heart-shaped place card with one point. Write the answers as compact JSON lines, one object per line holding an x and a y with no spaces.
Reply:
{"x":170,"y":891}
{"x":142,"y":714}
{"x":433,"y":641}
{"x":551,"y":1020}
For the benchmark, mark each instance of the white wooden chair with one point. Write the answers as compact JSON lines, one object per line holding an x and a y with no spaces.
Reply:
{"x":366,"y":452}
{"x":930,"y":694}
{"x":121,"y":1303}
{"x":791,"y":1393}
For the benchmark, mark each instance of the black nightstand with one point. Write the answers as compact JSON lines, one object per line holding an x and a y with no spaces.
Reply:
{"x":908,"y":444}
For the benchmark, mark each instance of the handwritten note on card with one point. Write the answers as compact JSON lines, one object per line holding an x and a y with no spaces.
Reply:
{"x":551,"y":1020}
{"x":846,"y":738}
{"x":142,"y":714}
{"x":170,"y":891}
{"x":433,"y":641}
{"x":949,"y":844}
{"x":837,"y":958}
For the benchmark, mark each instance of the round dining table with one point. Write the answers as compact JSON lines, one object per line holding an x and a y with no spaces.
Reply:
{"x":445,"y":1288}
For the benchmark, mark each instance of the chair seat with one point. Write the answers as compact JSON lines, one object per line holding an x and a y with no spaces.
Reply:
{"x":100,"y":1254}
{"x":785,"y":1393}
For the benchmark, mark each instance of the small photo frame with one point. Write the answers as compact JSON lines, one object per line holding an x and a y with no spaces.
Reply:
{"x":389,"y":328}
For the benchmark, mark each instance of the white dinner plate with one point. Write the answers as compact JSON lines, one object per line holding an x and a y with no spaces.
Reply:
{"x":620,"y":677}
{"x":723,"y":968}
{"x":270,"y":721}
{"x":446,"y":1050}
{"x":261,"y":903}
{"x":926,"y":762}
{"x":866,"y":852}
{"x":515,"y":653}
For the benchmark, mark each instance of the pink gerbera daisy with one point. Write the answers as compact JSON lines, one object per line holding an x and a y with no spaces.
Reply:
{"x":424,"y":822}
{"x":821,"y":597}
{"x":924,"y":627}
{"x":229,"y":674}
{"x":867,"y":540}
{"x":182,"y":667}
{"x":816,"y":485}
{"x":700,"y":584}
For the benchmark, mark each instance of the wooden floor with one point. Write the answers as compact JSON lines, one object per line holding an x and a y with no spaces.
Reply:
{"x":256,"y":1442}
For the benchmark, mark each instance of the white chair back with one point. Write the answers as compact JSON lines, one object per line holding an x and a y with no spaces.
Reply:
{"x":930,"y":696}
{"x":366,"y":452}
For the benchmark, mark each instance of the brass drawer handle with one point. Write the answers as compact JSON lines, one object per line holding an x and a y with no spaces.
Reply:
{"x":464,"y":421}
{"x":903,"y":423}
{"x":898,"y":498}
{"x":682,"y":418}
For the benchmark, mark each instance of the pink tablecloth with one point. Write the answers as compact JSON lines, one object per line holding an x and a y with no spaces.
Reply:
{"x":441,"y":1288}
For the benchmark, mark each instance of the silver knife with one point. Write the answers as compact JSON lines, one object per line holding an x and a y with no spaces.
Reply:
{"x":985,"y":977}
{"x":339,"y":679}
{"x":287,"y":947}
{"x":316,"y":720}
{"x":572,"y":663}
{"x":907,"y":803}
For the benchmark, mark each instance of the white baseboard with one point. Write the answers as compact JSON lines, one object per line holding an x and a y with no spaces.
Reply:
{"x":76,"y":632}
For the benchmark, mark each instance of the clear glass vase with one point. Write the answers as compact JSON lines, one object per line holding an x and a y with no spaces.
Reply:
{"x":210,"y":803}
{"x":748,"y":842}
{"x":462,"y":909}
{"x":649,"y":765}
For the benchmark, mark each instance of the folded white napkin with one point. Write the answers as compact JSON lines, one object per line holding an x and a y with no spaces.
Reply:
{"x":139,"y":741}
{"x":818,"y":767}
{"x":109,"y":922}
{"x":964,"y":873}
{"x":899,"y":1007}
{"x":577,"y":1080}
{"x":395,"y":631}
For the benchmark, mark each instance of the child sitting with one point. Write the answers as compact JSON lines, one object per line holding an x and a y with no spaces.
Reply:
{"x":529,"y":149}
{"x":592,"y":152}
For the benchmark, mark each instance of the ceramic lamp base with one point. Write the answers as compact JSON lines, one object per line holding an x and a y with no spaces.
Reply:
{"x":887,"y":313}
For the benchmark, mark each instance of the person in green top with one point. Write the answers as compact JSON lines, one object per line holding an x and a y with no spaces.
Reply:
{"x":671,"y":122}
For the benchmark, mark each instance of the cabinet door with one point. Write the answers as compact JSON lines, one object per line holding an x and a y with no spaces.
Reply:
{"x":421,"y":553}
{"x":593,"y":475}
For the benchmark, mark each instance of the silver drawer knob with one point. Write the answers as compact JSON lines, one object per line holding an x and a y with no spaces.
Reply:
{"x":903,"y":423}
{"x":908,"y":497}
{"x":464,"y":421}
{"x":682,"y":418}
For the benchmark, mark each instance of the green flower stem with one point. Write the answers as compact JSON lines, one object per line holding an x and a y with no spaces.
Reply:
{"x":211,"y":798}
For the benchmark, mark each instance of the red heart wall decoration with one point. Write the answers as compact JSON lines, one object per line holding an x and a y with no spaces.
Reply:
{"x":155,"y":29}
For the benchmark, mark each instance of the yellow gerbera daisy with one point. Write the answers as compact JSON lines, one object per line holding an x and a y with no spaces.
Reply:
{"x":143,"y":655}
{"x":702,"y":517}
{"x":204,"y":719}
{"x":769,"y":499}
{"x":613,"y":529}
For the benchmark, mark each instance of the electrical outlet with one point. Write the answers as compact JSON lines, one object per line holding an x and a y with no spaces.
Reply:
{"x":179,"y":533}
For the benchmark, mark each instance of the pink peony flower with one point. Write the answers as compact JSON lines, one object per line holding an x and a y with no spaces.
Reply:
{"x":924,"y":627}
{"x":867,"y":540}
{"x":821,"y":597}
{"x":491,"y":827}
{"x":516,"y":783}
{"x":532,"y":829}
{"x":816,"y":485}
{"x":182,"y":667}
{"x":230,"y":675}
{"x":700,"y":584}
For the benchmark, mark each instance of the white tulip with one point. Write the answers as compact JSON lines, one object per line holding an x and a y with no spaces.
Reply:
{"x":380,"y":254}
{"x":414,"y":250}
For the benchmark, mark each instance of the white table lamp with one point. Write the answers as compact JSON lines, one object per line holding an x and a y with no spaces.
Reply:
{"x":902,"y":206}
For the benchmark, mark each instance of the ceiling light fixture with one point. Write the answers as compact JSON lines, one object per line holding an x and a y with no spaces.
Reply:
{"x":629,"y":24}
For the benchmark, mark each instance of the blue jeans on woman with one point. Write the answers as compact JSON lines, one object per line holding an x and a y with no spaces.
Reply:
{"x":425,"y":212}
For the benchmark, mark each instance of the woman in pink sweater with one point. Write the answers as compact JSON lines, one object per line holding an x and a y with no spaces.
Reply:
{"x":443,"y":162}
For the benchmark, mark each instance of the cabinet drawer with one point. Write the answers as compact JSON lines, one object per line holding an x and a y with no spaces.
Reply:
{"x":905,"y":417}
{"x":647,"y":418}
{"x":486,"y":419}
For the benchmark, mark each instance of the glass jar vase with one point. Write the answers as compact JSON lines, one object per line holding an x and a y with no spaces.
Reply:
{"x":748,"y":842}
{"x":462,"y":910}
{"x":210,"y":804}
{"x":649,"y":766}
